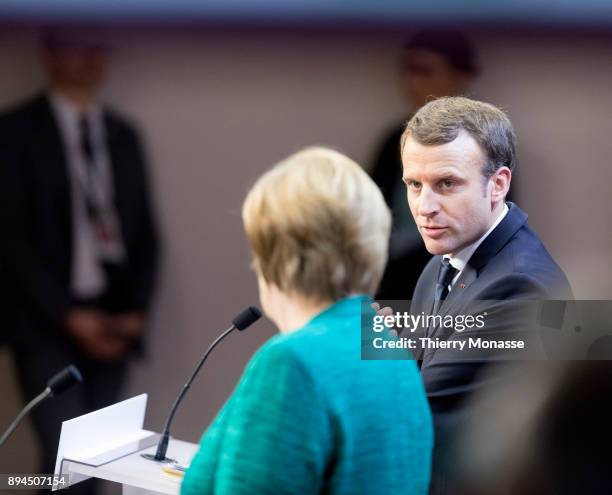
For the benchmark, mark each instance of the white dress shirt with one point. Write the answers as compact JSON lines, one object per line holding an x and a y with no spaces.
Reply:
{"x":88,"y":279}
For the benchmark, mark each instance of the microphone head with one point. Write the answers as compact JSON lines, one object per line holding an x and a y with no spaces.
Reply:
{"x":246,"y":317}
{"x":65,"y":379}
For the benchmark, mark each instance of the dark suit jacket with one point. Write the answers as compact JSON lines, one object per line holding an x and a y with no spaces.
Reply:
{"x":37,"y":216}
{"x":511,"y":264}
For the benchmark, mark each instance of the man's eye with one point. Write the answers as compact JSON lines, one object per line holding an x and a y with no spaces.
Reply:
{"x":413,"y":184}
{"x":447,"y":183}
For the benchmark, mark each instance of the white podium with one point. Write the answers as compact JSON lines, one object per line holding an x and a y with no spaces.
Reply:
{"x":108,"y":443}
{"x":137,"y":475}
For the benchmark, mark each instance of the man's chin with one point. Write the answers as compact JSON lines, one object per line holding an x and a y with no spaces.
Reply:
{"x":436,"y":248}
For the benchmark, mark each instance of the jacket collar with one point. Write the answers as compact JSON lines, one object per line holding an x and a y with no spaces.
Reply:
{"x":500,"y":236}
{"x":493,"y":243}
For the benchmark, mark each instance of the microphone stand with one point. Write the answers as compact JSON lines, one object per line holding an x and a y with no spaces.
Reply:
{"x":162,"y":446}
{"x":59,"y":382}
{"x":31,"y":405}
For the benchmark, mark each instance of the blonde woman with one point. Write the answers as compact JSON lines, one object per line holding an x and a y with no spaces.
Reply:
{"x":309,"y":416}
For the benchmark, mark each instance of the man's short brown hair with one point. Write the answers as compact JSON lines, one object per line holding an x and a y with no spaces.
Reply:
{"x":441,"y":120}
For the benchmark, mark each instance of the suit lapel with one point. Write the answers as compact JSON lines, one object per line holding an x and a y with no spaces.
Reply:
{"x":49,"y":158}
{"x":500,"y":236}
{"x":112,"y":138}
{"x":121,"y":196}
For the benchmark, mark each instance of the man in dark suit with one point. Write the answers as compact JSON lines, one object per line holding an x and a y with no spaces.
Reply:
{"x":81,"y":244}
{"x":458,"y":156}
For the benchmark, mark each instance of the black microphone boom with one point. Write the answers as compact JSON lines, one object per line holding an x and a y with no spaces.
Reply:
{"x":60,"y":382}
{"x":242,"y":321}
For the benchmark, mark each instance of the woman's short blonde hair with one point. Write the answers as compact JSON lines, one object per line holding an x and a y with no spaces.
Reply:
{"x":318,"y":226}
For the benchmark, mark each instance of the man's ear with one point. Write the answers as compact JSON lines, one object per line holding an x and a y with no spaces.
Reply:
{"x":501,"y":184}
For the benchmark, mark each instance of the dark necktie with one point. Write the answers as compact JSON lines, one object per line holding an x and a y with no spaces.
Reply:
{"x":86,"y":146}
{"x":445,"y":276}
{"x":88,"y":158}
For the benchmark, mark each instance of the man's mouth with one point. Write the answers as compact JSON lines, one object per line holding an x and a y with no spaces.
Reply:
{"x":433,"y":232}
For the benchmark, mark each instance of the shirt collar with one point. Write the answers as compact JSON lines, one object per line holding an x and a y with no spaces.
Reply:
{"x":69,"y":113}
{"x":462,"y":257}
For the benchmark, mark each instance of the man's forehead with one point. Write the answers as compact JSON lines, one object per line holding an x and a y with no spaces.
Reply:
{"x":460,"y":154}
{"x":434,"y":170}
{"x":421,"y":57}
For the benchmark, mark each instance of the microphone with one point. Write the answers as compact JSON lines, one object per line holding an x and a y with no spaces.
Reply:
{"x":246,"y":318}
{"x":63,"y":380}
{"x":241,"y":322}
{"x":59,"y":383}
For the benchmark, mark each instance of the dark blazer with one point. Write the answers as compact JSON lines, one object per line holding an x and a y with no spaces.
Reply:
{"x":511,"y":264}
{"x":37,"y":213}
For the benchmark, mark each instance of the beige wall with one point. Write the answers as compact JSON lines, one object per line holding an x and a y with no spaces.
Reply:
{"x":219,"y":108}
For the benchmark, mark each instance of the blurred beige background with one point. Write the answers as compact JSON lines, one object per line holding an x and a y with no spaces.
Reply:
{"x":219,"y":107}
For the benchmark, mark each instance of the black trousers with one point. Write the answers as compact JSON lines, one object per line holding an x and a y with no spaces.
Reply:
{"x":102,"y":385}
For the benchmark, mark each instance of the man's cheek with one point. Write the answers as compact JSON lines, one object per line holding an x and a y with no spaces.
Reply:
{"x":412,"y":207}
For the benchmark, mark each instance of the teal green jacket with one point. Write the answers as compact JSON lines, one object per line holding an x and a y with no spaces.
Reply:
{"x":309,"y":416}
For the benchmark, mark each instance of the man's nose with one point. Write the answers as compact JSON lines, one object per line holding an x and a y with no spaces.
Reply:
{"x":429,"y":203}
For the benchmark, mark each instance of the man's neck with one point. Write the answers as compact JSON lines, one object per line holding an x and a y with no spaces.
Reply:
{"x":466,"y":252}
{"x":81,"y":96}
{"x":497,"y":211}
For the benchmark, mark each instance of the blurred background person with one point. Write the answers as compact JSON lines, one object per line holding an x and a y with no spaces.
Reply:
{"x":82,"y":244}
{"x":434,"y":63}
{"x":309,"y":416}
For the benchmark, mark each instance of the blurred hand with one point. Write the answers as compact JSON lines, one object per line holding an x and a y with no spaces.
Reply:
{"x":89,"y":328}
{"x":386,"y":311}
{"x":128,"y":326}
